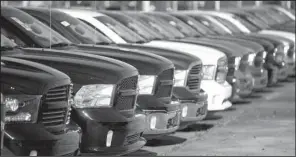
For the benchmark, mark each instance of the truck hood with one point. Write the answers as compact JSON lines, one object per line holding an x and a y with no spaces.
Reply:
{"x":25,"y":77}
{"x":147,"y":64}
{"x":230,"y":49}
{"x":284,"y":34}
{"x":180,"y":60}
{"x":246,"y":43}
{"x":82,"y":68}
{"x":208,"y":56}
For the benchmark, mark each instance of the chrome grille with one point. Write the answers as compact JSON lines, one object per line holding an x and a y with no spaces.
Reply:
{"x":231,"y":66}
{"x":291,"y":52}
{"x":222,"y":69}
{"x":132,"y":139}
{"x":122,"y":101}
{"x":55,"y":108}
{"x":244,"y":63}
{"x":164,"y":90}
{"x":259,"y":59}
{"x":194,"y":77}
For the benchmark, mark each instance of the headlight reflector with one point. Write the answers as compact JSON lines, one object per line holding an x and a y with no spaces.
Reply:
{"x":94,"y":96}
{"x":146,"y":84}
{"x":153,"y":122}
{"x":237,"y":62}
{"x":21,"y":107}
{"x":251,"y":58}
{"x":208,"y":71}
{"x":184,"y":111}
{"x":180,"y":76}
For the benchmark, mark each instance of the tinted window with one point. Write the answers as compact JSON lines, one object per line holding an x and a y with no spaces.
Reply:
{"x":211,"y":25}
{"x":39,"y":32}
{"x":120,"y":29}
{"x":181,"y":26}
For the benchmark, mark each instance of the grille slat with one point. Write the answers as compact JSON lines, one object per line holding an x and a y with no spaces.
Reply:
{"x":194,"y":78}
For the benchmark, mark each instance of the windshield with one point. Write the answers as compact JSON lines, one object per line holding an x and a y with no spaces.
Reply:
{"x":246,"y":23}
{"x":278,"y":15}
{"x":233,"y":28}
{"x":180,"y":25}
{"x":85,"y":33}
{"x":35,"y":29}
{"x":210,"y":24}
{"x":255,"y":21}
{"x":151,"y":23}
{"x":120,"y":29}
{"x":6,"y":43}
{"x":268,"y":20}
{"x":135,"y":26}
{"x":195,"y":24}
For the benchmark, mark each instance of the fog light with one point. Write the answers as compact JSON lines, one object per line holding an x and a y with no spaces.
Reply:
{"x":153,"y":122}
{"x":109,"y":138}
{"x":184,"y":111}
{"x":20,"y":117}
{"x":33,"y":153}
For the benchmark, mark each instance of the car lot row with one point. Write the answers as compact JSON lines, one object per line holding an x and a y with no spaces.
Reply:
{"x":82,"y":82}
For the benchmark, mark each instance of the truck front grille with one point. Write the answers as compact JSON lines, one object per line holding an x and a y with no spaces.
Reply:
{"x":259,"y":59}
{"x":164,"y":90}
{"x":55,"y":108}
{"x":194,"y":77}
{"x":231,"y":66}
{"x":291,"y":52}
{"x":222,"y":70}
{"x":131,"y":139}
{"x":244,"y":63}
{"x":122,"y":100}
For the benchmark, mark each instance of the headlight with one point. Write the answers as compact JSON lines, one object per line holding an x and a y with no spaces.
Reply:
{"x":251,"y":58}
{"x":237,"y":62}
{"x":146,"y":84}
{"x":21,"y":108}
{"x":264,"y":54}
{"x":153,"y":122}
{"x":94,"y":96}
{"x":208,"y":71}
{"x":180,"y":76}
{"x":286,"y":48}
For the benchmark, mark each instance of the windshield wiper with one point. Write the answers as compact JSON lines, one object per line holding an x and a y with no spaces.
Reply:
{"x":140,"y":42}
{"x":103,"y":43}
{"x":60,"y":44}
{"x":6,"y":48}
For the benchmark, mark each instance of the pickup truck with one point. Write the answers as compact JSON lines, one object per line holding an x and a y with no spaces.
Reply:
{"x":36,"y":101}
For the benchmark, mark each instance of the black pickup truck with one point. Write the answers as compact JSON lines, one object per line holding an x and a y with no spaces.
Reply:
{"x":192,"y":99}
{"x":156,"y":73}
{"x":102,"y":97}
{"x":36,"y":99}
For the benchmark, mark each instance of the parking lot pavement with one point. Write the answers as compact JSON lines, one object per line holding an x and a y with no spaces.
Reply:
{"x":263,"y":126}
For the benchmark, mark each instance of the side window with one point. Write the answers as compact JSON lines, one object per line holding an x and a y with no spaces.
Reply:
{"x":13,"y":37}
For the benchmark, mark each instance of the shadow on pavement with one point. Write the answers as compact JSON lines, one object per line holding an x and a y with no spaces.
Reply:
{"x":212,"y":116}
{"x":242,"y":102}
{"x":278,"y":85}
{"x":265,"y":90}
{"x":255,"y":96}
{"x":142,"y":152}
{"x":198,"y":127}
{"x":230,"y":109}
{"x":165,"y":141}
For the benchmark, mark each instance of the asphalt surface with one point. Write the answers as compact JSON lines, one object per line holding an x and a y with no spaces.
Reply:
{"x":262,"y":125}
